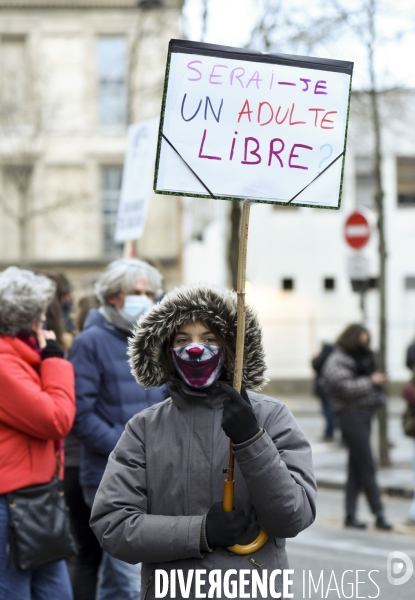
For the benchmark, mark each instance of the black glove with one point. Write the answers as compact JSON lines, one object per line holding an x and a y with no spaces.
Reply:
{"x":52,"y":350}
{"x":239,"y":421}
{"x":224,"y":528}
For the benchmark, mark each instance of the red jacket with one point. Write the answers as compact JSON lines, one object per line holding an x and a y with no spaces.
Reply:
{"x":34,"y":411}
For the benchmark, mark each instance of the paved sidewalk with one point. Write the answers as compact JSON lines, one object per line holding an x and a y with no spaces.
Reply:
{"x":330,"y":458}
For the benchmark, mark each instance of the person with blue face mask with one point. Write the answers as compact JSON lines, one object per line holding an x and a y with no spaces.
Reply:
{"x":107,"y":395}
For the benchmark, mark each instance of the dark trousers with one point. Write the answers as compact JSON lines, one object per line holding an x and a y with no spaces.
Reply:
{"x":355,"y":426}
{"x":84,"y":574}
{"x":330,"y":417}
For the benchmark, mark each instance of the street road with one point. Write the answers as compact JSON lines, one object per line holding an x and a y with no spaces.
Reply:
{"x":327,"y":547}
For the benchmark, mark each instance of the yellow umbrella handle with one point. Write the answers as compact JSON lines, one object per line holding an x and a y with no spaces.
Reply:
{"x":262,"y":537}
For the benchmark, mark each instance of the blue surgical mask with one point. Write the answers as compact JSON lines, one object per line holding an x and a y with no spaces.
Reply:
{"x":135,"y":306}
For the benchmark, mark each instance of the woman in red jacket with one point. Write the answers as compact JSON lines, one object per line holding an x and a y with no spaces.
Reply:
{"x":37,"y":408}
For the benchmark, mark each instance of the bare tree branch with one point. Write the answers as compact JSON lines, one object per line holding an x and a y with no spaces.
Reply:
{"x":205,"y":19}
{"x":7,"y":209}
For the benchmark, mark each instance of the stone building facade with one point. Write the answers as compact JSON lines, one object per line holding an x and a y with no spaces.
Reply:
{"x":73,"y":75}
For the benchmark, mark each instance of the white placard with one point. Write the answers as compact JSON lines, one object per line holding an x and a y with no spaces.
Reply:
{"x":137,"y":180}
{"x":253,"y":127}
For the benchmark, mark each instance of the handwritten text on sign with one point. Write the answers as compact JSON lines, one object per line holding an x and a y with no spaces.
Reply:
{"x":253,"y":130}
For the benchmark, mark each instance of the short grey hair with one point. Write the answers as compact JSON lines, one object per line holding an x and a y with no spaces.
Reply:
{"x":121,"y":276}
{"x":24,"y":296}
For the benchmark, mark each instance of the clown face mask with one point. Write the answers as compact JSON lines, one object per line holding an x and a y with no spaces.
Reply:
{"x":199,"y":365}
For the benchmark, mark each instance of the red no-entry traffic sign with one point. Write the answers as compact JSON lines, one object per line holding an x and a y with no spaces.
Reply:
{"x":357,"y":230}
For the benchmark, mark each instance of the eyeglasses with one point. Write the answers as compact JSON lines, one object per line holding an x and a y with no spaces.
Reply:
{"x":148,"y":294}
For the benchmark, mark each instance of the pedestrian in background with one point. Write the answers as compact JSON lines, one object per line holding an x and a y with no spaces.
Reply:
{"x":319,"y":391}
{"x":410,"y":398}
{"x":64,"y":293}
{"x":37,"y":408}
{"x":85,"y":303}
{"x":410,"y":357}
{"x":84,"y":568}
{"x":161,"y":498}
{"x":57,"y":317}
{"x":355,"y":390}
{"x":107,"y":395}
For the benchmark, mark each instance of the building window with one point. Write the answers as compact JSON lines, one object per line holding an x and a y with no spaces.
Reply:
{"x":405,"y":174}
{"x":365,"y":182}
{"x":287,"y":284}
{"x":112,"y":79}
{"x":329,"y":284}
{"x":110,"y":190}
{"x":14,"y":84}
{"x":410,"y":282}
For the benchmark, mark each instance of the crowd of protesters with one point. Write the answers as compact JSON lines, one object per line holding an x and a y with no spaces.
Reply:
{"x":65,"y":376}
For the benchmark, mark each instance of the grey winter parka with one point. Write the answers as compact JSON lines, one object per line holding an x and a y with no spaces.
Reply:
{"x":167,"y":470}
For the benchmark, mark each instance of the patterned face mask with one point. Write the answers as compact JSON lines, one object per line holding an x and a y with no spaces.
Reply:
{"x":199,"y":365}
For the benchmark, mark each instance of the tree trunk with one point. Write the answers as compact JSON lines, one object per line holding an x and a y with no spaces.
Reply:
{"x":23,"y":242}
{"x":384,"y":458}
{"x":20,"y":176}
{"x":233,"y":244}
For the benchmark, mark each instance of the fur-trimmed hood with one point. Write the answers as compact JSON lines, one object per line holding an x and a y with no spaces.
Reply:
{"x":214,"y":306}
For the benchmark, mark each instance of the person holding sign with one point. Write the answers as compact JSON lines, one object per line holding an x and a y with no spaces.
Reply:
{"x":160,"y":499}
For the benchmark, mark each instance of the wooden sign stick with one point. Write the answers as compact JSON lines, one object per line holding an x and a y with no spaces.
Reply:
{"x":237,"y":378}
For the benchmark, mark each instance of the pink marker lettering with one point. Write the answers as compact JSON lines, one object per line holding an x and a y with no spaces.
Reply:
{"x":306,"y":81}
{"x":233,"y":146}
{"x":213,"y":75}
{"x":253,"y":152}
{"x":202,"y":147}
{"x":275,"y":153}
{"x":255,"y":78}
{"x":192,"y":62}
{"x":238,"y":77}
{"x":320,"y":85}
{"x":292,"y":155}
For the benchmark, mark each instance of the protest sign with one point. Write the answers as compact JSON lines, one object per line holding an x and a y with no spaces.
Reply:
{"x":239,"y":124}
{"x":136,"y":180}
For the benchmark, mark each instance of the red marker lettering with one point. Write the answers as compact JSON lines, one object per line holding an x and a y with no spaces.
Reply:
{"x":317,"y":111}
{"x":291,"y":117}
{"x":276,"y":116}
{"x":246,"y":110}
{"x":326,"y":120}
{"x":261,"y":104}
